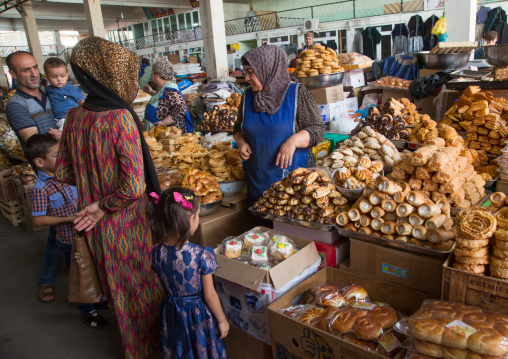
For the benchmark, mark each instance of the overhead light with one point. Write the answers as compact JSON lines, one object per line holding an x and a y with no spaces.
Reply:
{"x":121,"y":14}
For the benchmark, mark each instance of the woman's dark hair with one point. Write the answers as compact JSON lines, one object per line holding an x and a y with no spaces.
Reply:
{"x":145,"y":61}
{"x":168,"y":218}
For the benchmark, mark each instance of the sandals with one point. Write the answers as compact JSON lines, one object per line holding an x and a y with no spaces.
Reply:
{"x":94,"y":320}
{"x":46,"y":293}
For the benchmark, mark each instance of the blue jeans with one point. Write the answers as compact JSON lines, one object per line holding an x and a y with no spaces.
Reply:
{"x":50,"y":260}
{"x":66,"y":250}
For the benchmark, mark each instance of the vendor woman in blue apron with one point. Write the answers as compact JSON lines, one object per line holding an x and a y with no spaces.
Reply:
{"x":167,"y":106}
{"x":278,"y":121}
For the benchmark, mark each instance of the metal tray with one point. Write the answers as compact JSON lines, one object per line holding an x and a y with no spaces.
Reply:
{"x":273,"y":217}
{"x":434,"y":253}
{"x":478,"y":75}
{"x":454,"y":211}
{"x":399,"y":144}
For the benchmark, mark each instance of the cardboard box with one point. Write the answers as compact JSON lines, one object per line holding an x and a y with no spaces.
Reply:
{"x":327,"y":95}
{"x":248,"y":309}
{"x":426,"y":107}
{"x":321,"y":150}
{"x":242,"y":345}
{"x":234,"y":46}
{"x":174,"y":58}
{"x":308,"y":233}
{"x":292,"y":339}
{"x":251,"y":277}
{"x":347,"y":106}
{"x":428,"y":72}
{"x":193,"y":59}
{"x":227,"y":221}
{"x":395,"y":266}
{"x":474,"y":289}
{"x":355,"y":78}
{"x":332,"y":255}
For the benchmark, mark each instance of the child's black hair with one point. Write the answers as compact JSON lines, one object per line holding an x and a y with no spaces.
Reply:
{"x":37,"y":146}
{"x":168,"y":218}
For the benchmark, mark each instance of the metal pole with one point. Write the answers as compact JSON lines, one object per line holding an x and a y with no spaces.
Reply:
{"x":354,"y":9}
{"x":401,"y":5}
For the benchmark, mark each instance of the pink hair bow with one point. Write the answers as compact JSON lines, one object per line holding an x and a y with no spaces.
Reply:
{"x":185,"y":204}
{"x":155,"y":196}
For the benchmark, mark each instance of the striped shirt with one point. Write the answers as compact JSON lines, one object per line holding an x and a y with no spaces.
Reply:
{"x":55,"y":199}
{"x":24,"y":111}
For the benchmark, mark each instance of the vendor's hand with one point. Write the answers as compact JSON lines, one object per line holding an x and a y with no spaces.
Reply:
{"x":148,"y":89}
{"x":55,"y":133}
{"x":285,"y":155}
{"x":88,"y":217}
{"x":245,"y":150}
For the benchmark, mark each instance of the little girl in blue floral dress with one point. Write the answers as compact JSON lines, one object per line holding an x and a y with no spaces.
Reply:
{"x":193,"y":323}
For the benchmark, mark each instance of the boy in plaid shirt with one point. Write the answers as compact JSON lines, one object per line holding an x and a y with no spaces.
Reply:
{"x":54,"y":204}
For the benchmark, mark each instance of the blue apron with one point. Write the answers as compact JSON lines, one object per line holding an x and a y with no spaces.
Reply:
{"x":265,"y":134}
{"x":151,"y":107}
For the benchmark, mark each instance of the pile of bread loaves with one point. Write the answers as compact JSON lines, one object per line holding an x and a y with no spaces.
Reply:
{"x":442,"y":329}
{"x":391,"y":210}
{"x":317,"y":61}
{"x":442,"y":171}
{"x":483,"y":117}
{"x":345,"y":311}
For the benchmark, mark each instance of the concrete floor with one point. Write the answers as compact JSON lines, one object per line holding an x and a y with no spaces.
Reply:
{"x":29,"y":329}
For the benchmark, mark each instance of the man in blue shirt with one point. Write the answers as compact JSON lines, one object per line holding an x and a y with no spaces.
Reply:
{"x":29,"y":112}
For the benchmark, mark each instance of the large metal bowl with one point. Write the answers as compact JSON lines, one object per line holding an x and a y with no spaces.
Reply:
{"x":210,"y":208}
{"x":442,"y":61}
{"x":496,"y":55}
{"x":320,"y":81}
{"x":231,"y":188}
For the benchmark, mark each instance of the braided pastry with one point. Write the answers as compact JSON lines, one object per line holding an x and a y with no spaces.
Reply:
{"x":502,"y":218}
{"x":477,"y":224}
{"x":344,"y":320}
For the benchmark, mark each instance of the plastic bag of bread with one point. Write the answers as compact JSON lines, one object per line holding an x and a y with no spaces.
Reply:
{"x":295,"y":310}
{"x":458,"y":326}
{"x":431,"y":350}
{"x":339,"y":295}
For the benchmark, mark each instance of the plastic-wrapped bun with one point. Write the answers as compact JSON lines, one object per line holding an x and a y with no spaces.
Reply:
{"x":254,"y":239}
{"x":280,"y":238}
{"x":258,"y":254}
{"x":282,"y":250}
{"x":232,"y":247}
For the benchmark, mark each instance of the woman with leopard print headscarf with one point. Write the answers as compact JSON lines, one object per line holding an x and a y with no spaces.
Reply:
{"x":104,"y":155}
{"x":167,"y":106}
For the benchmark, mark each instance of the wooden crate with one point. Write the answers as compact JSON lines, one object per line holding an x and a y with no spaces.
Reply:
{"x":11,"y":211}
{"x":13,"y":218}
{"x":7,"y":189}
{"x":25,"y":203}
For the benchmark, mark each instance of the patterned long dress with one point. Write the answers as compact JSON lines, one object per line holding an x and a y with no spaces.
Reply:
{"x":100,"y":154}
{"x":194,"y":326}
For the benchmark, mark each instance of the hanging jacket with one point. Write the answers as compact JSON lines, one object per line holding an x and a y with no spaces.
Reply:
{"x":415,"y":26}
{"x":399,"y":36}
{"x":429,"y":40}
{"x":502,"y":33}
{"x":495,"y":16}
{"x":400,"y":30}
{"x":482,"y":15}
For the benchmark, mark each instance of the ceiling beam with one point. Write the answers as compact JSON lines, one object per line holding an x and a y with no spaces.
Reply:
{"x":175,"y":4}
